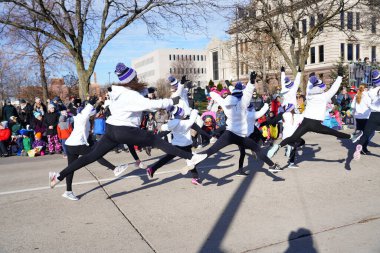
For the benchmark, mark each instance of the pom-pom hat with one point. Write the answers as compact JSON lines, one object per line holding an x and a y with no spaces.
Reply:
{"x":124,"y":73}
{"x":317,"y":82}
{"x":238,"y":90}
{"x":177,"y":112}
{"x":288,"y":83}
{"x":173,"y":81}
{"x":376,"y":77}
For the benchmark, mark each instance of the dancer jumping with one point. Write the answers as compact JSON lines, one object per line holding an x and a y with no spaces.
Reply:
{"x":123,"y":125}
{"x":314,"y":114}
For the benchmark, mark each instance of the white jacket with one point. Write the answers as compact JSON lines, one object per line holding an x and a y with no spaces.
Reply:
{"x":252,"y":115}
{"x":290,"y":123}
{"x":181,"y":129}
{"x":375,"y":99}
{"x":236,"y":110}
{"x":317,"y":99}
{"x":290,"y":95}
{"x":183,"y":102}
{"x":127,"y":106}
{"x":362,"y":109}
{"x":82,"y":127}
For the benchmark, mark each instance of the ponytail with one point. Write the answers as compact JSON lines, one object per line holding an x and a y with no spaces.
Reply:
{"x":360,"y":93}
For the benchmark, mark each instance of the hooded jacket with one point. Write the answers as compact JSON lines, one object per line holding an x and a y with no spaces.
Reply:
{"x":236,"y":110}
{"x":362,"y":109}
{"x":375,"y":99}
{"x":181,"y":129}
{"x":252,"y":115}
{"x":290,"y":95}
{"x":82,"y":127}
{"x":127,"y":106}
{"x":51,"y":119}
{"x":317,"y":99}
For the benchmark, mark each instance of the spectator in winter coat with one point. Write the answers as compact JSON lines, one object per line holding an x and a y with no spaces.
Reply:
{"x":64,"y":130}
{"x":276,"y":104}
{"x":5,"y":134}
{"x":51,"y":121}
{"x":39,"y":106}
{"x":9,"y":110}
{"x":14,"y":125}
{"x":257,"y":101}
{"x":38,"y":142}
{"x":25,"y":113}
{"x":38,"y":123}
{"x":99,"y":124}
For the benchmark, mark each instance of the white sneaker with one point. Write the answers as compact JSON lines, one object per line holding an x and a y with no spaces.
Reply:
{"x":120,"y":169}
{"x":53,"y":179}
{"x":197,"y":158}
{"x":199,"y":147}
{"x":213,"y":140}
{"x":140,"y":165}
{"x":70,"y":196}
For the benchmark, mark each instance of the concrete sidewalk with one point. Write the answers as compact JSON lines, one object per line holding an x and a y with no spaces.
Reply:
{"x":329,"y":204}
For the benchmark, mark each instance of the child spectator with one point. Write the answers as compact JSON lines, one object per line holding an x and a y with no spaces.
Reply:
{"x":5,"y":134}
{"x":348,"y":120}
{"x":38,"y":123}
{"x":39,"y":143}
{"x":220,"y":117}
{"x":64,"y":130}
{"x":151,"y":126}
{"x":26,"y":142}
{"x":99,"y":124}
{"x":51,"y":121}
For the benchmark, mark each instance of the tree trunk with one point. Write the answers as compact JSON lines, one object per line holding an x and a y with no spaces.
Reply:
{"x":41,"y":61}
{"x":83,"y":80}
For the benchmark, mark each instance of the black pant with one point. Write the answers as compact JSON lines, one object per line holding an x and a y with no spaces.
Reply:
{"x":3,"y":148}
{"x":200,"y":131}
{"x":360,"y":124}
{"x":122,"y":135}
{"x":228,"y":138}
{"x":312,"y":125}
{"x":295,"y":145}
{"x":372,"y":123}
{"x":73,"y":152}
{"x":167,"y":158}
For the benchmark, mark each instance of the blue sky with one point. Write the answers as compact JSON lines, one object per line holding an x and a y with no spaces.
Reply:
{"x":134,"y":42}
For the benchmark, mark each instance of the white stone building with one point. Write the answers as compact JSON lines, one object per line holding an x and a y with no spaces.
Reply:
{"x":161,"y":63}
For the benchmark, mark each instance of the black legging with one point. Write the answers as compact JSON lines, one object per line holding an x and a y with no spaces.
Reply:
{"x":360,"y":124}
{"x":73,"y":152}
{"x":123,"y":135}
{"x":200,"y":131}
{"x":133,"y":152}
{"x":295,"y":145}
{"x":372,"y":123}
{"x":228,"y":138}
{"x":167,"y":158}
{"x":312,"y":125}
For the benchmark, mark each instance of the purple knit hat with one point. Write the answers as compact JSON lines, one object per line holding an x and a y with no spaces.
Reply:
{"x":376,"y":77}
{"x":177,"y":112}
{"x":124,"y":73}
{"x":173,"y":81}
{"x":238,"y":90}
{"x":317,"y":82}
{"x":288,"y":83}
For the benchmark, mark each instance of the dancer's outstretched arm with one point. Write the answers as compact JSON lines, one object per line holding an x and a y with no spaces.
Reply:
{"x":262,"y":111}
{"x":248,"y":91}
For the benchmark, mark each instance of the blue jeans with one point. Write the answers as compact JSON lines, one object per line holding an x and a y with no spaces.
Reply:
{"x":64,"y":148}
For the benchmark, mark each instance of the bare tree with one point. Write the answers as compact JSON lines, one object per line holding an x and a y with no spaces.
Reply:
{"x":283,"y":22}
{"x":186,"y":67}
{"x":87,"y":24}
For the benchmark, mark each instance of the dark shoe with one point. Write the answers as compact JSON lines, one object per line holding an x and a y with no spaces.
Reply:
{"x":148,"y":151}
{"x":275,"y":168}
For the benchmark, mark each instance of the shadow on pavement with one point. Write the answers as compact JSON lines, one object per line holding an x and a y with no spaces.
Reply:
{"x":309,"y":154}
{"x":301,"y":241}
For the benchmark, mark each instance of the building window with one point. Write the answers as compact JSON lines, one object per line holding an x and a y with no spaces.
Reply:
{"x":182,"y":57}
{"x":312,"y":55}
{"x":350,"y":52}
{"x":342,"y":51}
{"x":174,"y":70}
{"x":342,"y":20}
{"x":197,"y":57}
{"x":178,"y":57}
{"x":350,"y":20}
{"x":320,"y":20}
{"x":215,"y":66}
{"x":202,"y":70}
{"x":170,"y":57}
{"x":174,"y":57}
{"x":246,"y":45}
{"x":312,"y":21}
{"x":357,"y":51}
{"x":304,"y":29}
{"x":373,"y":53}
{"x":185,"y":57}
{"x":201,"y":57}
{"x":321,"y":53}
{"x":357,"y":21}
{"x":246,"y":69}
{"x":205,"y":57}
{"x":373,"y":24}
{"x":170,"y":70}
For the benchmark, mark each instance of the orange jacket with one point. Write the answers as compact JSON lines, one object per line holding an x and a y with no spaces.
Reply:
{"x":64,"y":134}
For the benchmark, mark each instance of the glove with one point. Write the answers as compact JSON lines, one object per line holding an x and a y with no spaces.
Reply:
{"x":253,"y":77}
{"x":183,"y":80}
{"x":299,"y":69}
{"x":228,"y":83}
{"x":340,"y":71}
{"x":282,"y":69}
{"x":93,"y":100}
{"x":176,"y":100}
{"x":109,"y":89}
{"x":312,"y":74}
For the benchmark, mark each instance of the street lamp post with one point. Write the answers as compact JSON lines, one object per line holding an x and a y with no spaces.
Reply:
{"x":109,"y":78}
